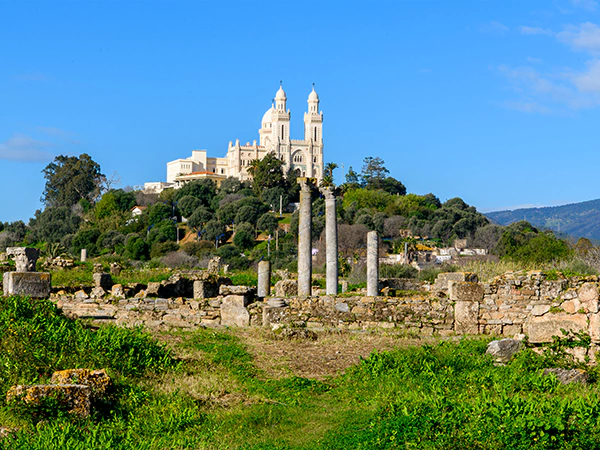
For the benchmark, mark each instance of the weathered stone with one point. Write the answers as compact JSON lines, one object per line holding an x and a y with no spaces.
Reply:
{"x":441,"y":282}
{"x":214,"y":265}
{"x":541,"y":329}
{"x":331,"y":241}
{"x":97,"y":292}
{"x":103,"y":280}
{"x":276,"y":302}
{"x":466,"y":317}
{"x":344,"y":284}
{"x":264,"y":279}
{"x":571,"y":306}
{"x":233,"y":312}
{"x":465,"y":291}
{"x":205,"y":289}
{"x":236,"y":290}
{"x":97,"y":380}
{"x":83,"y":255}
{"x":305,"y":239}
{"x":588,"y":296}
{"x":372,"y":264}
{"x":503,"y":350}
{"x":73,"y":397}
{"x":594,"y":329}
{"x":80,"y":295}
{"x":115,"y":269}
{"x":32,"y":284}
{"x":342,"y":307}
{"x":153,"y":289}
{"x":25,"y":258}
{"x":540,"y":310}
{"x":566,"y":376}
{"x":286,"y":288}
{"x":117,"y":291}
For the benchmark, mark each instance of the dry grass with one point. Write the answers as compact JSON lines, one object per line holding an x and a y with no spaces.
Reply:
{"x":328,"y":355}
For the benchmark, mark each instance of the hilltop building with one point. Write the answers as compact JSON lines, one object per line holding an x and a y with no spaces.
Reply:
{"x":304,"y":156}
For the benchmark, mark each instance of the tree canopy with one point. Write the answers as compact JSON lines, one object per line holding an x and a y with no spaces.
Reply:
{"x":70,"y":179}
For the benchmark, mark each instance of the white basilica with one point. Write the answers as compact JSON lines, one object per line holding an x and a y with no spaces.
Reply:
{"x":304,"y":156}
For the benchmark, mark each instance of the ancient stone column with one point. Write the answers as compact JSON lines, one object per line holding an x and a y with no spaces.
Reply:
{"x":264,"y":279}
{"x":372,"y":264}
{"x":83,"y":255}
{"x":305,"y":239}
{"x":331,"y":241}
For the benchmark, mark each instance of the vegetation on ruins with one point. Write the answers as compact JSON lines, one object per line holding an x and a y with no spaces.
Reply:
{"x":217,"y":389}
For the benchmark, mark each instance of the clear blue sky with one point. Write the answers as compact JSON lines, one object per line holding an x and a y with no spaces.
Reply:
{"x":493,"y":101}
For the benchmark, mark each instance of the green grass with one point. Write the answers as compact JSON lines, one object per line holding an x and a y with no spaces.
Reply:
{"x":443,"y":396}
{"x":82,"y":275}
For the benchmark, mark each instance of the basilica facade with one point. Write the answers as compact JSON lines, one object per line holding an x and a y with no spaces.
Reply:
{"x":305,"y":156}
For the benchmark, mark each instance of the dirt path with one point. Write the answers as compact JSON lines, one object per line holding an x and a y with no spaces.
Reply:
{"x":328,"y":355}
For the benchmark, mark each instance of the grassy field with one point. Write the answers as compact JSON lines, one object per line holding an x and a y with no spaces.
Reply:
{"x":255,"y":389}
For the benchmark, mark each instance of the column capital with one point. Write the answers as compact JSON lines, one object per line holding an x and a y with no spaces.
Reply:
{"x":328,"y":192}
{"x":305,"y":183}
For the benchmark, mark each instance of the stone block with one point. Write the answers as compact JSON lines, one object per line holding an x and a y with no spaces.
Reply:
{"x":588,"y":296}
{"x":97,"y":380}
{"x":503,"y":350}
{"x":571,"y":306}
{"x":466,"y":317}
{"x":286,"y":288}
{"x":567,"y":376}
{"x":540,"y":310}
{"x":465,"y":291}
{"x":512,"y":330}
{"x":441,"y":282}
{"x":103,"y":280}
{"x":117,"y":291}
{"x":153,"y":289}
{"x":73,"y":397}
{"x":32,"y":284}
{"x":594,"y":329}
{"x":205,"y":289}
{"x":236,"y":290}
{"x":234,"y":312}
{"x":541,"y":329}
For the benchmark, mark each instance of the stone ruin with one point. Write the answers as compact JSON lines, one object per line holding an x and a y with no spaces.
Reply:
{"x":26,"y":281}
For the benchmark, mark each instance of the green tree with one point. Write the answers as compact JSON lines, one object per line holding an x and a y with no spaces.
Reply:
{"x":373,"y":172}
{"x":188,"y":204}
{"x":328,"y":174}
{"x":201,"y":216}
{"x":244,"y":236}
{"x":204,"y":190}
{"x":213,"y":229}
{"x":267,"y":222}
{"x":54,"y":223}
{"x":136,"y":248}
{"x":86,"y":239}
{"x":70,"y":179}
{"x":266,"y":173}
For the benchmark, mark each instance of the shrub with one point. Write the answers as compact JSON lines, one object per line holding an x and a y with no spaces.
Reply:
{"x":398,"y":271}
{"x":179,"y":260}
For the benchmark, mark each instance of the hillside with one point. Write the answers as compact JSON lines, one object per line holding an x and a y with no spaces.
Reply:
{"x":576,"y":219}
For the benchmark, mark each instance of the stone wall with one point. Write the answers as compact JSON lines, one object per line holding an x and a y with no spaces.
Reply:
{"x":515,"y":303}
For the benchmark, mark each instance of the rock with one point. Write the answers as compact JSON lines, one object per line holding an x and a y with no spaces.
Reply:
{"x":205,"y":289}
{"x":504,"y":349}
{"x":97,"y":380}
{"x":286,"y":288}
{"x":97,"y":292}
{"x":25,"y":258}
{"x":342,"y":307}
{"x":540,"y":310}
{"x":32,"y":284}
{"x":103,"y":280}
{"x":73,"y":397}
{"x":115,"y":269}
{"x":588,"y":296}
{"x":541,"y":329}
{"x":236,"y":290}
{"x":465,"y":291}
{"x":466,"y":317}
{"x":233,"y":311}
{"x":441,"y":282}
{"x":117,"y":291}
{"x":80,"y":295}
{"x":566,"y":376}
{"x":153,"y":289}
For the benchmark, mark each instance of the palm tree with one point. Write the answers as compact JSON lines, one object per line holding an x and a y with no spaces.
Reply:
{"x":328,"y":174}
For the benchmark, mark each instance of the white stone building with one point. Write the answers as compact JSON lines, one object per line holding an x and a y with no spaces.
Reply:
{"x":304,"y":156}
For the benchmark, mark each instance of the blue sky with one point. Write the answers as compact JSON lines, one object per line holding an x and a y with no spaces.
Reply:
{"x":494,"y":101}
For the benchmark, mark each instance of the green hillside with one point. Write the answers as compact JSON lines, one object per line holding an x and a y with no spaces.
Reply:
{"x":575,"y":219}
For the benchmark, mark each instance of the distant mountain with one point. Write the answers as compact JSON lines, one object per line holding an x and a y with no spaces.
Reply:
{"x":576,"y":219}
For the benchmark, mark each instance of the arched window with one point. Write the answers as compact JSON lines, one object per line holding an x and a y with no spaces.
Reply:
{"x":283,"y":131}
{"x":298,"y":158}
{"x":315,"y":133}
